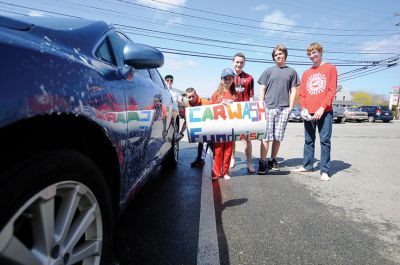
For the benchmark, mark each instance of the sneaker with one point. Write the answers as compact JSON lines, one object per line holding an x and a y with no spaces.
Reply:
{"x":197,"y":163}
{"x":178,"y":136}
{"x":262,"y":168}
{"x":227,"y":176}
{"x":301,"y":169}
{"x":273,"y":165}
{"x":324,"y":177}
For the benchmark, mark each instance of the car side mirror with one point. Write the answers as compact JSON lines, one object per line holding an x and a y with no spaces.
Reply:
{"x":142,"y":56}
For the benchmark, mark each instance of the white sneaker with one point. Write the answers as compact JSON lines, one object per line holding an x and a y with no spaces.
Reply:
{"x":324,"y":177}
{"x":227,"y":176}
{"x":300,"y":170}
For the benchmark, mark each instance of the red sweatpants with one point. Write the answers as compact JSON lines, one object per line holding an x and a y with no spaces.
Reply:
{"x":222,"y":158}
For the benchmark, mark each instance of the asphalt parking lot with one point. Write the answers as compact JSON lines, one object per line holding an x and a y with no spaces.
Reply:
{"x":364,"y":193}
{"x":280,"y":218}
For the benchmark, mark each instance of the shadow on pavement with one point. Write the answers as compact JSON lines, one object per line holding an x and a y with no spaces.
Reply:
{"x":219,"y":208}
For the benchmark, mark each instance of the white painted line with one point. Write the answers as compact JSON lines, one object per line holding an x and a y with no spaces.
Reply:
{"x":207,"y":253}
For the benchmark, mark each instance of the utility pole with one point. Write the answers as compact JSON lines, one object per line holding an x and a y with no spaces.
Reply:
{"x":398,"y":91}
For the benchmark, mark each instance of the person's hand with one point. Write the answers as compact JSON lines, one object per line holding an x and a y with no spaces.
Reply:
{"x":226,"y":101}
{"x":318,"y":114}
{"x":305,"y":115}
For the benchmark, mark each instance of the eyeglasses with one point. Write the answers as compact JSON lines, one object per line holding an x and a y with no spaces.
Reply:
{"x":169,"y":80}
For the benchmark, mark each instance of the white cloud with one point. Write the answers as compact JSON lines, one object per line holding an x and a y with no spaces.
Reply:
{"x":173,"y":63}
{"x":172,"y":21}
{"x":161,"y":5}
{"x":261,"y":7}
{"x":390,"y":44}
{"x":277,"y":16}
{"x":35,"y":13}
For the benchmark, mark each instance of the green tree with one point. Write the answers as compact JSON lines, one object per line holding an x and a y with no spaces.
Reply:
{"x":362,"y":98}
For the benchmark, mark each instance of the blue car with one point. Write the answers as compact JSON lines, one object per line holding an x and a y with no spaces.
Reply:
{"x":85,"y":117}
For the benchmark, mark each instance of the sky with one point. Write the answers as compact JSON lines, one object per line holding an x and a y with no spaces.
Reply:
{"x":199,"y":38}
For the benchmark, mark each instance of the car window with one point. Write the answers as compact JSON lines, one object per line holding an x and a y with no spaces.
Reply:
{"x":144,"y":73}
{"x":118,"y":42}
{"x":103,"y":52}
{"x":156,"y":77}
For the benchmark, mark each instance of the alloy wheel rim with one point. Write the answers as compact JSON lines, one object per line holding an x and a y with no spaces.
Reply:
{"x":61,"y":224}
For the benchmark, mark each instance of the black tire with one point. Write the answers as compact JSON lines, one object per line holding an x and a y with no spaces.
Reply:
{"x":371,"y":119}
{"x":74,"y":179}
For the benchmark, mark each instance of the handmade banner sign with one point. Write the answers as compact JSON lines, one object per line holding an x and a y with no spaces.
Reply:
{"x":224,"y":123}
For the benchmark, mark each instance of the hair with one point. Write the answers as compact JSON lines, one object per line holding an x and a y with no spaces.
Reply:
{"x":168,"y":76}
{"x":190,"y":90}
{"x":239,"y":54}
{"x":314,"y":46}
{"x":221,"y":87}
{"x":279,"y":47}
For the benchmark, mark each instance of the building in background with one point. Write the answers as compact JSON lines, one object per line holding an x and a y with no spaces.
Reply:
{"x":394,"y":97}
{"x":343,"y":98}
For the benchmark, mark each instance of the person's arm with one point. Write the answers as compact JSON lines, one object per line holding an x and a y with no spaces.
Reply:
{"x":262,"y":92}
{"x":331,"y":92}
{"x":302,"y":93}
{"x":251,"y":88}
{"x":331,"y":88}
{"x":292,"y":97}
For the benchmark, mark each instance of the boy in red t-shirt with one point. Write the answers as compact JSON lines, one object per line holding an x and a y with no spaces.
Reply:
{"x":244,"y":85}
{"x":317,"y":91}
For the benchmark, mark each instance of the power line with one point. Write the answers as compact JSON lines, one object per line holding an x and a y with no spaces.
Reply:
{"x":247,"y":26}
{"x":261,"y":21}
{"x":185,"y":36}
{"x":332,"y":60}
{"x":369,"y":73}
{"x":243,"y":44}
{"x":206,"y":28}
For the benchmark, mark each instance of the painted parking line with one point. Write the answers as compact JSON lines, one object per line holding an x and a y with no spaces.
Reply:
{"x":207,"y":253}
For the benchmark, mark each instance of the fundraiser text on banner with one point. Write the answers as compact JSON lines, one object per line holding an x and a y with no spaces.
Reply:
{"x":224,"y":123}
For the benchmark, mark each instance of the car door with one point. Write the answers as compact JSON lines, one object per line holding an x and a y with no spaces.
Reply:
{"x":119,"y":103}
{"x":164,"y":142}
{"x":146,"y":116}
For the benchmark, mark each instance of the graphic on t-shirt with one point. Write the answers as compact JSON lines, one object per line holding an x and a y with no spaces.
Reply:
{"x":240,"y":83}
{"x":316,"y":83}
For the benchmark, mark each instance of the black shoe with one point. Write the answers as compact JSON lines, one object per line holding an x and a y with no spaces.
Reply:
{"x":197,"y":163}
{"x":273,"y":165}
{"x":262,"y":168}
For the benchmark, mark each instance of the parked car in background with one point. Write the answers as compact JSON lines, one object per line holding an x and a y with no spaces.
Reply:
{"x":382,"y":113}
{"x":354,"y":114}
{"x":338,"y":114}
{"x":85,"y":117}
{"x":295,"y":115}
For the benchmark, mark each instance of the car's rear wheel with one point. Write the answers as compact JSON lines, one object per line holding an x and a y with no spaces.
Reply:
{"x":56,"y":209}
{"x":344,"y":119}
{"x":371,"y":119}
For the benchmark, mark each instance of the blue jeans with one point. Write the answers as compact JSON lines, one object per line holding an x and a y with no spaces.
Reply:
{"x":324,"y":126}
